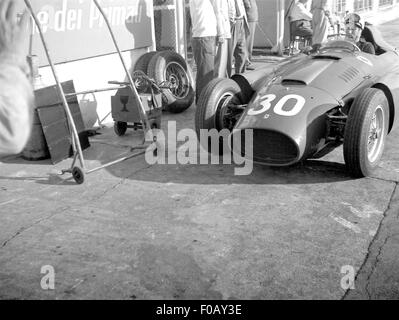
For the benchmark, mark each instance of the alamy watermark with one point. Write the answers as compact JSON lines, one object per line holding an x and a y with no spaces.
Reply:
{"x":213,"y":147}
{"x":48,"y":280}
{"x":348,"y":280}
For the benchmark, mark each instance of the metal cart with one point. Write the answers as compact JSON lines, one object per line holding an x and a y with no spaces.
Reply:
{"x":79,"y":172}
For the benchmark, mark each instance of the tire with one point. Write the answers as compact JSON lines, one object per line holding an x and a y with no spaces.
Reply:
{"x":170,"y":66}
{"x":120,"y":128}
{"x":366,"y":132}
{"x":143,"y":62}
{"x":211,"y":106}
{"x":78,"y":175}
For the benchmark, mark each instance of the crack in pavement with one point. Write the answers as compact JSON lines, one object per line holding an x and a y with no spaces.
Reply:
{"x":121,"y":182}
{"x":371,"y":246}
{"x":373,"y":267}
{"x":23,"y":229}
{"x":384,"y":180}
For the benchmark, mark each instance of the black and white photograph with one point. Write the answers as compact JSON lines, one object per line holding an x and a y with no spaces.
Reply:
{"x":199,"y":154}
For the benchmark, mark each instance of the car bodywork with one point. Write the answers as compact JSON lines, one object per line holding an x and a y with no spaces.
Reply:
{"x":299,"y":106}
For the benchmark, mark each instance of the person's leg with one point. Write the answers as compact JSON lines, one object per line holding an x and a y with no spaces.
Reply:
{"x":222,"y":58}
{"x":232,"y":43}
{"x":304,"y":30}
{"x":317,"y":20}
{"x":204,"y":56}
{"x":251,"y":39}
{"x":240,"y":51}
{"x":320,"y":28}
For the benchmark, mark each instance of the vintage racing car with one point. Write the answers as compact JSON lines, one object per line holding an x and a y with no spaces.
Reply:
{"x":306,"y":106}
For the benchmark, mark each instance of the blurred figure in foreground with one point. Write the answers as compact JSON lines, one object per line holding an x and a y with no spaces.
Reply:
{"x":16,"y":92}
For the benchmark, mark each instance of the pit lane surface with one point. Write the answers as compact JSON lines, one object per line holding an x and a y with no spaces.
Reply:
{"x":137,"y":231}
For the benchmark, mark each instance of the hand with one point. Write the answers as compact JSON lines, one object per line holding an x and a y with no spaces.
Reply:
{"x":14,"y":33}
{"x":220,"y":40}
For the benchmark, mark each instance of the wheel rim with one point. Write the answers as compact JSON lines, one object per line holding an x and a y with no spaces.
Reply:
{"x":224,"y":112}
{"x":376,"y":136}
{"x":177,"y":76}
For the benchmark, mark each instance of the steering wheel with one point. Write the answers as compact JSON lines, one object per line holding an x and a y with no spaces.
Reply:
{"x":342,"y":45}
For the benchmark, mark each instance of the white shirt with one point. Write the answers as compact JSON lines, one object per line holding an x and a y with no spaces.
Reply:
{"x":299,"y":12}
{"x":203,"y":18}
{"x":223,"y":10}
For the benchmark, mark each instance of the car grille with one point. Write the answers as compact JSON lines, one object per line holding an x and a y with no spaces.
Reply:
{"x":272,"y":148}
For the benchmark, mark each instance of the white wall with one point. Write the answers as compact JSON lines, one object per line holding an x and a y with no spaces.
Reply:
{"x":381,"y":15}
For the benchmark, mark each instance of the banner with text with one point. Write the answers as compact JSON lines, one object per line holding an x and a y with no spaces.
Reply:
{"x":75,"y":29}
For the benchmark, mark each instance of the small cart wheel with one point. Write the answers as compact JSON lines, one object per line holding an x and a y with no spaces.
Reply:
{"x":120,"y":128}
{"x":78,"y":175}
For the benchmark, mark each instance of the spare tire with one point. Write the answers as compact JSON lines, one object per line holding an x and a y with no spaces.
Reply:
{"x":143,"y":62}
{"x":170,"y":67}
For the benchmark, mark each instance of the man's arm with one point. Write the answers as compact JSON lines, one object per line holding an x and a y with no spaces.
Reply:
{"x":217,"y":8}
{"x":16,"y":93}
{"x":16,"y":100}
{"x":368,"y":48}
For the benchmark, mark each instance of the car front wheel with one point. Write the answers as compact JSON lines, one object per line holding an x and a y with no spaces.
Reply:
{"x":219,"y":108}
{"x":366,"y":132}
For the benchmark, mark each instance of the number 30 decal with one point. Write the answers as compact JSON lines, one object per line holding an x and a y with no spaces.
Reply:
{"x":266,"y":103}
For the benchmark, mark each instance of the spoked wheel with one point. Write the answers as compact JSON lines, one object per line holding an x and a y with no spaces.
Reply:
{"x":219,"y":107}
{"x":366,"y":132}
{"x":78,"y":175}
{"x":170,"y":68}
{"x":178,"y":79}
{"x":376,"y":137}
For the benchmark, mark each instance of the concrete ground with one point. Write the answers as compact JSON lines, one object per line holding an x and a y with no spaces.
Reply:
{"x":136,"y":231}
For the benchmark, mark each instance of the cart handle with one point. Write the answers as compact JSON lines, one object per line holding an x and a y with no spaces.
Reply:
{"x":118,"y":83}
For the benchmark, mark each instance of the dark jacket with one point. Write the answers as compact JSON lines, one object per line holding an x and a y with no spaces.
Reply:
{"x":366,"y":47}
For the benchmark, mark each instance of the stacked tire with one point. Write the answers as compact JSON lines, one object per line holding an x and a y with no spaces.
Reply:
{"x":168,"y":67}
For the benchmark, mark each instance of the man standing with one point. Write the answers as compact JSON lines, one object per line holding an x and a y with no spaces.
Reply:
{"x":16,"y":95}
{"x":204,"y":24}
{"x":223,"y":8}
{"x":301,"y":20}
{"x":239,"y":32}
{"x":321,"y":10}
{"x":253,"y":18}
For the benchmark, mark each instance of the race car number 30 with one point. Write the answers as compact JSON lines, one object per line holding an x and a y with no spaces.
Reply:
{"x":279,"y":108}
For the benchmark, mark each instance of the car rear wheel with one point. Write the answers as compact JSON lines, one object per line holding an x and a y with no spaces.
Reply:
{"x":218,"y":108}
{"x":170,"y":68}
{"x":366,"y":132}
